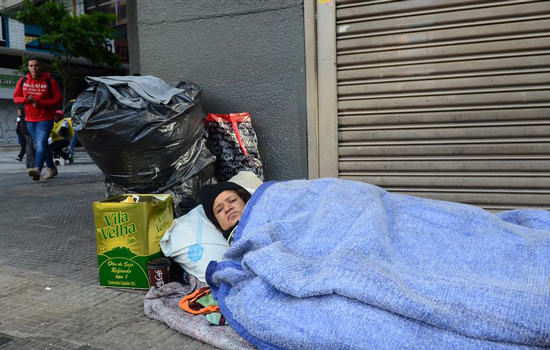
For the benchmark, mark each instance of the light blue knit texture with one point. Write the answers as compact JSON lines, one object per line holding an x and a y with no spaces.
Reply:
{"x":335,"y":264}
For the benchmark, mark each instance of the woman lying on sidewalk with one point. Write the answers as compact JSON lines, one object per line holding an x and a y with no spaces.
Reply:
{"x":330,"y":263}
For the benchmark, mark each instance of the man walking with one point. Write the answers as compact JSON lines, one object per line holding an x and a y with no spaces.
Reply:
{"x":41,"y":95}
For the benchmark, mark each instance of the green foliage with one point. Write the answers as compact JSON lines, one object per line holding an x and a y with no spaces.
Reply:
{"x":85,"y":36}
{"x":24,"y":67}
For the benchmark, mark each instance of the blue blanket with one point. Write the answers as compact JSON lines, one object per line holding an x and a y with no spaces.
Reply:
{"x":335,"y":264}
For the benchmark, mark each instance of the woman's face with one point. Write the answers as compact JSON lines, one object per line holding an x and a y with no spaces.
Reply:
{"x":228,"y":208}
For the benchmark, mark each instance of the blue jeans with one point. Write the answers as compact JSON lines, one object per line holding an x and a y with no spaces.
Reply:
{"x":23,"y":143}
{"x":40,"y":132}
{"x":72,"y":144}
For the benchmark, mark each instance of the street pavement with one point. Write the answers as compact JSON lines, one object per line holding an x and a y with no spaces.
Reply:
{"x":50,"y":296}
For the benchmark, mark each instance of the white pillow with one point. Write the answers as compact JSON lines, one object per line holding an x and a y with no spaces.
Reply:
{"x":247,"y":179}
{"x":193,"y":241}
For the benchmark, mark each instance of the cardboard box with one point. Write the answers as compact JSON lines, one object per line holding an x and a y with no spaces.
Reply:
{"x":128,"y":236}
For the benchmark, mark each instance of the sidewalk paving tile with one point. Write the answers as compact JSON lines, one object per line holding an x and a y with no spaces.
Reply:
{"x":51,"y":298}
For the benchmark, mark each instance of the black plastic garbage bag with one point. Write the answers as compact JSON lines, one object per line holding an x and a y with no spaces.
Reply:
{"x":144,"y":134}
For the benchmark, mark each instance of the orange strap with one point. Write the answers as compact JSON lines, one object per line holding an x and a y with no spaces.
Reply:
{"x":233,"y":120}
{"x":189,"y":303}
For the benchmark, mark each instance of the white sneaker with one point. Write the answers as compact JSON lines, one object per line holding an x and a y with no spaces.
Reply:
{"x":50,"y":173}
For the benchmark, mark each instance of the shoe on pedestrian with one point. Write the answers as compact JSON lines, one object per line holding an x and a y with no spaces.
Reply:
{"x":19,"y":159}
{"x":35,"y":173}
{"x":57,"y":162}
{"x":50,"y":173}
{"x":71,"y":159}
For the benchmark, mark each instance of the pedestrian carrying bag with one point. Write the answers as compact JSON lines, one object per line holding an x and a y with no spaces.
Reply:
{"x":233,"y":140}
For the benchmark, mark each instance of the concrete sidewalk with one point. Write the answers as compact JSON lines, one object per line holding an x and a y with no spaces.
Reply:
{"x":50,"y":296}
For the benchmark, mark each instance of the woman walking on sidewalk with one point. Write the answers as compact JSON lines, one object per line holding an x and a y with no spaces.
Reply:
{"x":40,"y":94}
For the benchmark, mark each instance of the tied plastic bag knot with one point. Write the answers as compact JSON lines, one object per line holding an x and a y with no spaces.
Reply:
{"x":156,"y":173}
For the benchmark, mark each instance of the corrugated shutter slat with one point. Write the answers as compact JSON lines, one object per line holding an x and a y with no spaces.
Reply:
{"x":446,"y":99}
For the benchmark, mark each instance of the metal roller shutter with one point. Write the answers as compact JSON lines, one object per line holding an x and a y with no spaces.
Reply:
{"x":446,"y":99}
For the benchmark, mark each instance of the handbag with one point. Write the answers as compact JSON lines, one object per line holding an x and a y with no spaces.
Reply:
{"x":233,"y":141}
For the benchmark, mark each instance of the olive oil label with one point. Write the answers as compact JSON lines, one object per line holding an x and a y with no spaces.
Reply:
{"x":128,"y":236}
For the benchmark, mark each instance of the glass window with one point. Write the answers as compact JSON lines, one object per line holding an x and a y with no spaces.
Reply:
{"x":80,"y":8}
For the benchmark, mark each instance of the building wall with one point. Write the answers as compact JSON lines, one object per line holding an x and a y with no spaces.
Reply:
{"x":8,"y":3}
{"x":8,"y":79}
{"x":8,"y":116}
{"x":247,"y":55}
{"x":15,"y":40}
{"x":16,"y":34}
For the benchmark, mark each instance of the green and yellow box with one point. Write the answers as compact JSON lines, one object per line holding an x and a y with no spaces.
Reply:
{"x":128,"y":236}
